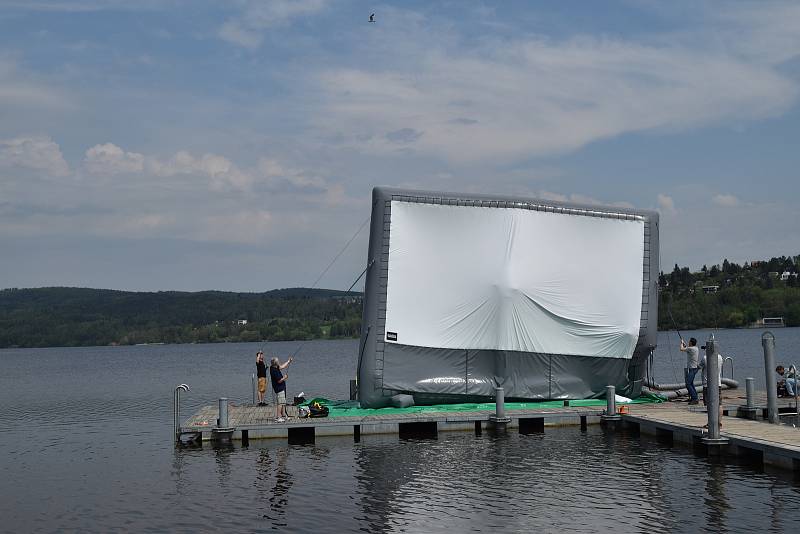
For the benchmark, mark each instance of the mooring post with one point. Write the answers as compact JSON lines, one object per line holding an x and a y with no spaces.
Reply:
{"x":500,"y":403}
{"x":253,"y":387}
{"x":499,"y":419}
{"x":223,"y":433}
{"x":768,"y":342}
{"x":611,"y":405}
{"x":222,"y":422}
{"x":749,"y":409}
{"x":713,"y":440}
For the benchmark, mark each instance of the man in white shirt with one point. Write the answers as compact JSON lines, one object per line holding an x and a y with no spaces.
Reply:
{"x":692,"y":365}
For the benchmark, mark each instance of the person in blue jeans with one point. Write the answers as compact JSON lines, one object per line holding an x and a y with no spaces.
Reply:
{"x":279,"y":385}
{"x":789,"y":380}
{"x":692,"y":365}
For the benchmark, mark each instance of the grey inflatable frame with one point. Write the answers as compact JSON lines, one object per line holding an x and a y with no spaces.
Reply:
{"x":386,"y":369}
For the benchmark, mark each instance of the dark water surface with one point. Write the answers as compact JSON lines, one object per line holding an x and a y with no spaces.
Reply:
{"x":86,"y":446}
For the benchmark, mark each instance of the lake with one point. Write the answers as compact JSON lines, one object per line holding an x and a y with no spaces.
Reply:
{"x":87,"y":446}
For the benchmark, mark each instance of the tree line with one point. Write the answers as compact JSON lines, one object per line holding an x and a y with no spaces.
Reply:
{"x":730,"y":295}
{"x":62,"y":316}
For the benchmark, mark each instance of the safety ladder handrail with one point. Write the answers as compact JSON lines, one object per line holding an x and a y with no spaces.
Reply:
{"x":176,"y":410}
{"x":722,"y":371}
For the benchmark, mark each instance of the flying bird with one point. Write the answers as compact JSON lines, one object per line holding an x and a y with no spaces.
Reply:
{"x":372,"y":18}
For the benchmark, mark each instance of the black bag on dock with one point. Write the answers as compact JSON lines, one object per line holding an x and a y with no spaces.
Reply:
{"x":317,"y":410}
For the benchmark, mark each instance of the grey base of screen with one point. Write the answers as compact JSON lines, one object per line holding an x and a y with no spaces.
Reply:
{"x":434,"y":375}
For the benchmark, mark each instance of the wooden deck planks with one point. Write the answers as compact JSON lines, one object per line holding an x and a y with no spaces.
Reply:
{"x":249,"y":416}
{"x":780,"y":439}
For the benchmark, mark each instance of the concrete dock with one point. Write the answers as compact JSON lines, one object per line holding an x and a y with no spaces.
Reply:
{"x":676,"y":422}
{"x":757,"y":440}
{"x":253,"y":422}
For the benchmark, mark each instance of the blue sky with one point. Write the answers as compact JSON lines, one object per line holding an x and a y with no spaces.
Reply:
{"x":184,"y":145}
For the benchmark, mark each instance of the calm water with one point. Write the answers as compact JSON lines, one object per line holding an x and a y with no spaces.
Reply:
{"x":86,"y":445}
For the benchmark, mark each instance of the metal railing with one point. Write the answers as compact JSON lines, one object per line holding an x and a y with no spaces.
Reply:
{"x":728,"y":359}
{"x":176,"y":410}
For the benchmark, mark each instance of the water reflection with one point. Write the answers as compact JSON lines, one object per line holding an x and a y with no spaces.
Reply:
{"x":268,"y":468}
{"x":716,"y":503}
{"x":498,"y":482}
{"x":560,"y":481}
{"x":222,"y":462}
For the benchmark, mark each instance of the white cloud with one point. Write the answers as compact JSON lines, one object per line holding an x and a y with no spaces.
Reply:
{"x":83,"y":5}
{"x":111,"y":159}
{"x":19,"y":89}
{"x":252,"y":226}
{"x":234,"y":32}
{"x":666,"y":205}
{"x":35,"y":152}
{"x":247,"y":29}
{"x":726,"y":200}
{"x":764,"y":31}
{"x":706,"y":234}
{"x":221,"y":171}
{"x":578,"y":198}
{"x":533,"y":97}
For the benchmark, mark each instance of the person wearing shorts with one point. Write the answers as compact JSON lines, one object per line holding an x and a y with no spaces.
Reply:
{"x":279,"y":385}
{"x":261,"y":373}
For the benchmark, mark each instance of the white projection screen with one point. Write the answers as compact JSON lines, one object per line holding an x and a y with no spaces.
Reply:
{"x":513,"y":279}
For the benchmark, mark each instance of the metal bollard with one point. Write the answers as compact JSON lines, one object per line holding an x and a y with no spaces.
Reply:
{"x":714,"y":441}
{"x":499,"y":419}
{"x":712,"y":374}
{"x":749,"y":384}
{"x":222,"y":422}
{"x":500,"y":403}
{"x":611,"y":405}
{"x":768,"y":342}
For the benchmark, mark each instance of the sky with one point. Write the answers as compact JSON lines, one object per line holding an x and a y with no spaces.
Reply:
{"x":190,"y":145}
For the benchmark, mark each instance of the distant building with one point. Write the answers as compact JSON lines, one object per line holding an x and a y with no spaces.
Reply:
{"x":774,"y":274}
{"x":241,"y":322}
{"x":348,"y":299}
{"x":710,"y":289}
{"x":786,"y":274}
{"x":769,"y":322}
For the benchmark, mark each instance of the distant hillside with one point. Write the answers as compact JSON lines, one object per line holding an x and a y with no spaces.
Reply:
{"x":722,"y":296}
{"x":67,"y":316}
{"x":730,"y":295}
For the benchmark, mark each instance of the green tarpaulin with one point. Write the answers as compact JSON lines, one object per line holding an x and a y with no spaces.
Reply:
{"x":351,"y":408}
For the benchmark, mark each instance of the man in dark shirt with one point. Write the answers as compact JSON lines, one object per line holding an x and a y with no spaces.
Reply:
{"x":279,"y":385}
{"x":261,"y":372}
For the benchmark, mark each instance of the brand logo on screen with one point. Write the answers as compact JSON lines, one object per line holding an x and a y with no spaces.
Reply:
{"x":391,"y":336}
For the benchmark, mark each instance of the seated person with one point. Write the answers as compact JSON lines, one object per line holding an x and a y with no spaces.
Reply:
{"x":787,"y":379}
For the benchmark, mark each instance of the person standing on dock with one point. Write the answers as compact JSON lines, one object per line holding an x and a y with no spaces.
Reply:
{"x":261,"y":372}
{"x":692,"y":365}
{"x":279,"y":385}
